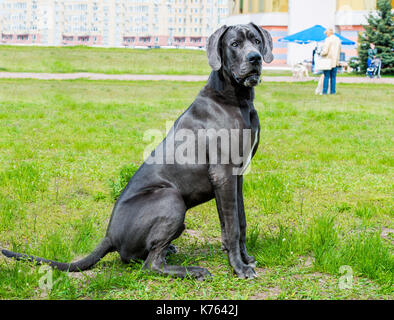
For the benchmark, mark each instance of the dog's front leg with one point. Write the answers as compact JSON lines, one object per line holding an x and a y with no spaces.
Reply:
{"x":242,"y":224}
{"x":227,"y":205}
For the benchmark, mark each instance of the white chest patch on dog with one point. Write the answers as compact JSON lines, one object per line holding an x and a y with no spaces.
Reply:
{"x":249,"y":158}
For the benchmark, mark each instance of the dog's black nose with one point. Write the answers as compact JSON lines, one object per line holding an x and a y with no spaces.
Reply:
{"x":254,"y":57}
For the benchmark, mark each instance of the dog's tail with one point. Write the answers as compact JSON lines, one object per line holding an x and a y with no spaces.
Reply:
{"x":86,"y":263}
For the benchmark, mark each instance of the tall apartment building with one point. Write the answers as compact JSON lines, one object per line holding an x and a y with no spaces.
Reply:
{"x":284,"y":17}
{"x":112,"y":23}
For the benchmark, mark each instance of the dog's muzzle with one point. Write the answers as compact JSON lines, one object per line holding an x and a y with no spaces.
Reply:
{"x":252,"y":80}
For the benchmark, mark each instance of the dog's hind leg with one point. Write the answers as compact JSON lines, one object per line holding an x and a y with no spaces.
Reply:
{"x":169,"y":226}
{"x":156,"y":262}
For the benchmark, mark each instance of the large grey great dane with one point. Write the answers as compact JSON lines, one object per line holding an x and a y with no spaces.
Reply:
{"x":150,"y":212}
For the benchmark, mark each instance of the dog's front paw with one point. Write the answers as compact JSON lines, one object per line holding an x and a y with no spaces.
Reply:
{"x":249,"y":260}
{"x":246,"y":272}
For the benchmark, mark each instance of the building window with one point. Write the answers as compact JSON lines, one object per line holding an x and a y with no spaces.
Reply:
{"x":128,"y":39}
{"x":179,"y":39}
{"x":22,"y":37}
{"x":261,"y":5}
{"x":144,"y":39}
{"x":83,"y":39}
{"x":250,"y":6}
{"x":195,"y":40}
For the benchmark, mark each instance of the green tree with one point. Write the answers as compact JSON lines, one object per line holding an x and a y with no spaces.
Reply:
{"x":380,"y":31}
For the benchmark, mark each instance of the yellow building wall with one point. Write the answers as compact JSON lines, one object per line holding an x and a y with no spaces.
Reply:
{"x":257,"y":6}
{"x":357,"y":5}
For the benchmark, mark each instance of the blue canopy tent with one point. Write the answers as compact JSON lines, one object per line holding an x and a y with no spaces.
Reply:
{"x":314,"y":34}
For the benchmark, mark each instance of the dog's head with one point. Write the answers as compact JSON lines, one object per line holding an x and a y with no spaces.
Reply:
{"x":239,"y":51}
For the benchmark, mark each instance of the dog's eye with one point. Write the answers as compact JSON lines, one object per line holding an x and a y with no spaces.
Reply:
{"x":234,"y":44}
{"x":258,"y":41}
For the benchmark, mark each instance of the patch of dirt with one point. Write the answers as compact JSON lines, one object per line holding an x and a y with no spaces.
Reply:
{"x":85,"y":275}
{"x":262,"y":271}
{"x":194,"y":234}
{"x":270,"y":293}
{"x":198,"y":236}
{"x":305,"y":262}
{"x":387,"y":233}
{"x":156,"y":77}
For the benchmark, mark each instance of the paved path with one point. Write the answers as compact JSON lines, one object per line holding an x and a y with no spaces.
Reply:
{"x":102,"y":76}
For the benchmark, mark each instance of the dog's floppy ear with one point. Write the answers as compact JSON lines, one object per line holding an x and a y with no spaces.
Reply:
{"x":268,"y":46}
{"x":213,"y":48}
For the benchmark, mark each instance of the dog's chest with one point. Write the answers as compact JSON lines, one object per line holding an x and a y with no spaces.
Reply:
{"x":251,"y":138}
{"x":250,"y":120}
{"x":254,"y":129}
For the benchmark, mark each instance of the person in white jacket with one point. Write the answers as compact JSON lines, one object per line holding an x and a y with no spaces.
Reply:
{"x":332,"y":51}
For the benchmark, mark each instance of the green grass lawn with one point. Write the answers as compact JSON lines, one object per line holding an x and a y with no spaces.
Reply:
{"x":319,"y":195}
{"x":102,"y":60}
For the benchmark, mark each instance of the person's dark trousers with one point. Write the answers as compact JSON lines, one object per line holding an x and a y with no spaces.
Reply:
{"x":369,"y":61}
{"x":330,"y":75}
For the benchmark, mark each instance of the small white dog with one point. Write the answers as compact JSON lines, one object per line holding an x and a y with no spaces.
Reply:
{"x":319,"y":88}
{"x":300,"y":71}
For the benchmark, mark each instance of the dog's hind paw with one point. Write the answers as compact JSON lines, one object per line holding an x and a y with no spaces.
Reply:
{"x":171,"y":249}
{"x":199,"y":273}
